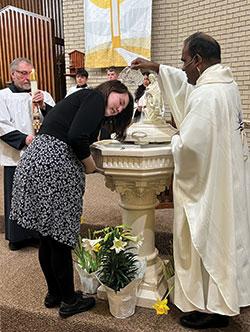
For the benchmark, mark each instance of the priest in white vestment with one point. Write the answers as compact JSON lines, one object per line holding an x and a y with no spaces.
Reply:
{"x":211,"y":185}
{"x":16,"y":133}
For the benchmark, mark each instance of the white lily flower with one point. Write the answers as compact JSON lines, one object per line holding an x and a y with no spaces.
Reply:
{"x":131,"y":238}
{"x":139,"y":240}
{"x":118,"y":245}
{"x":89,"y":245}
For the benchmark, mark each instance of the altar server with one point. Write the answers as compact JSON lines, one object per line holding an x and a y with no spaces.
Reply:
{"x":16,"y":133}
{"x":81,"y":81}
{"x":211,"y":185}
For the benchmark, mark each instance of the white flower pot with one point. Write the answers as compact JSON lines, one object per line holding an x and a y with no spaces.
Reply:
{"x":122,"y":304}
{"x":89,"y":281}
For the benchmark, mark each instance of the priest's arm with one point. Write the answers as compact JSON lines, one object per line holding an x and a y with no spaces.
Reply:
{"x":173,"y":84}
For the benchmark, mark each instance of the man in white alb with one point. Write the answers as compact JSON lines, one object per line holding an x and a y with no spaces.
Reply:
{"x":16,"y":132}
{"x":81,"y":81}
{"x":211,"y":185}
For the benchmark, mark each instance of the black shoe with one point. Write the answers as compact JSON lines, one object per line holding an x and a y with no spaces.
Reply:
{"x":200,"y":320}
{"x":81,"y":304}
{"x":31,"y":242}
{"x":52,"y":301}
{"x":13,"y":246}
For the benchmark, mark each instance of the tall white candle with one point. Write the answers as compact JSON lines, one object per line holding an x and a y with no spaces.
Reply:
{"x":33,"y":81}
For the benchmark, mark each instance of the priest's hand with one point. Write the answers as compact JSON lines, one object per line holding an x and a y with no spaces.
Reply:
{"x":140,"y":63}
{"x":39,"y":98}
{"x":28,"y":139}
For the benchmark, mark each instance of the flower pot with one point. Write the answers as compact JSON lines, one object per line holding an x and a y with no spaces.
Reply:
{"x":89,"y":281}
{"x":122,"y":304}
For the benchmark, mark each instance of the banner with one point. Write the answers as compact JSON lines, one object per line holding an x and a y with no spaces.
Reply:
{"x":116,"y":32}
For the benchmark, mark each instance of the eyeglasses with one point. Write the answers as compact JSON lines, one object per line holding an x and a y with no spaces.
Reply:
{"x":23,"y":73}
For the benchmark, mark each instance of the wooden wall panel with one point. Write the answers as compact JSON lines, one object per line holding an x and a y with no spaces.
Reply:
{"x":53,"y":9}
{"x":29,"y":5}
{"x":23,"y":34}
{"x":47,"y":8}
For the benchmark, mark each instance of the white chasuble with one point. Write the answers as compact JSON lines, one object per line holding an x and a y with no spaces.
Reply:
{"x":211,"y":192}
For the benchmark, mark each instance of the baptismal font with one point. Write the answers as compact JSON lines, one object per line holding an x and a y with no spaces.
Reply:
{"x":139,"y":169}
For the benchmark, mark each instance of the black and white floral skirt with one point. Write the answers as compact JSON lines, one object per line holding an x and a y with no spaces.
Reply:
{"x":48,"y":187}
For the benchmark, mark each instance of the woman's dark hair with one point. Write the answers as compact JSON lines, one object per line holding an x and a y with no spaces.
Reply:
{"x":138,"y":94}
{"x":141,"y":88}
{"x":118,"y":123}
{"x":204,"y":45}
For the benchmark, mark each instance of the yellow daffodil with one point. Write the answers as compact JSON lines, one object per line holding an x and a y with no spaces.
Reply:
{"x":82,"y":220}
{"x":161,"y":307}
{"x":118,"y":245}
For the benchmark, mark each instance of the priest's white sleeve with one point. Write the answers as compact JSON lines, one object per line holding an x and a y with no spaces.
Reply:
{"x":175,"y":90}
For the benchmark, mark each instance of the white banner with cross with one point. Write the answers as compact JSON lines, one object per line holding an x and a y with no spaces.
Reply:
{"x":116,"y":32}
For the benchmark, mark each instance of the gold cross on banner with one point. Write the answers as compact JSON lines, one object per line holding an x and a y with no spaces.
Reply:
{"x":115,"y":23}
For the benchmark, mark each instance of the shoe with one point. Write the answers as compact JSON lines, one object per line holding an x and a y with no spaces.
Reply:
{"x":52,"y":301}
{"x":13,"y":246}
{"x":31,"y":242}
{"x":81,"y":304}
{"x":200,"y":320}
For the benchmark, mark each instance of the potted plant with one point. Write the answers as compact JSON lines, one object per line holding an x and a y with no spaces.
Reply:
{"x":88,"y":262}
{"x":121,"y":271}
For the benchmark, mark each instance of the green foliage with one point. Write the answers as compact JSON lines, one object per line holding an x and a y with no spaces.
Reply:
{"x":110,"y":233}
{"x":110,"y":254}
{"x":118,"y":269}
{"x":169,"y":263}
{"x":88,"y":260}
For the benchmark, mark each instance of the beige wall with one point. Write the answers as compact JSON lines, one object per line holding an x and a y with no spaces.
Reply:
{"x":173,"y":21}
{"x":73,"y":12}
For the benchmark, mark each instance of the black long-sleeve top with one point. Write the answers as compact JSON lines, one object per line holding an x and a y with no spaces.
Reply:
{"x":76,"y":120}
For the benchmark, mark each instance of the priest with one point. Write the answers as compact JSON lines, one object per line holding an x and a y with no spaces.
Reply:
{"x":211,"y":185}
{"x":16,"y":133}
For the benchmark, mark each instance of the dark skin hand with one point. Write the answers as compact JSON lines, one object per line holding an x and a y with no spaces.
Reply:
{"x":144,"y":65}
